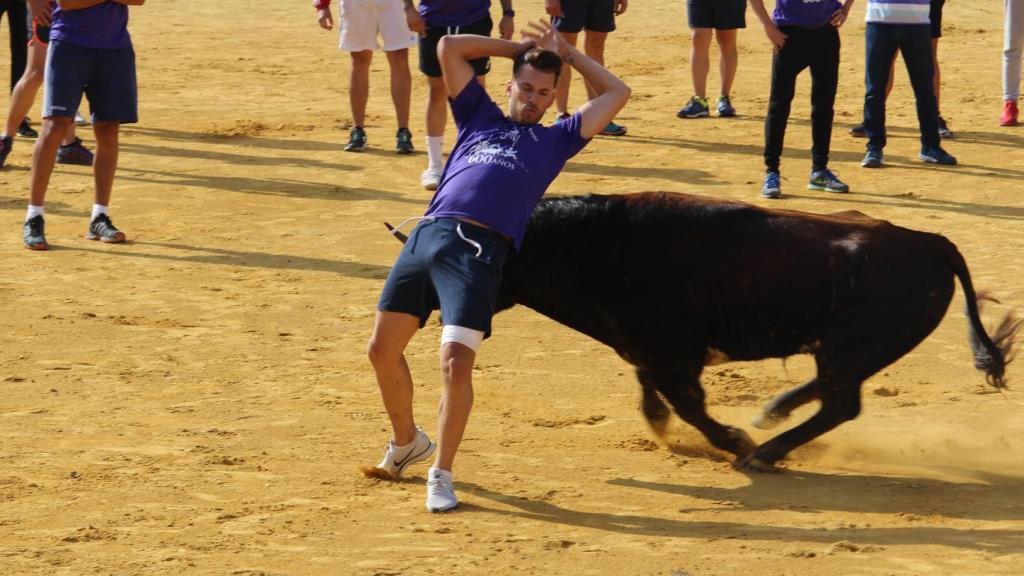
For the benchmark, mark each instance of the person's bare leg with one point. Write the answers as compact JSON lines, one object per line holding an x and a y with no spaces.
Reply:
{"x":44,"y":155}
{"x":456,"y":401}
{"x":700,"y":60}
{"x":401,"y":84}
{"x":437,"y":106}
{"x":359,"y":85}
{"x":392,"y":332}
{"x":593,"y":45}
{"x":564,"y":79}
{"x":728,"y":59}
{"x":105,"y":163}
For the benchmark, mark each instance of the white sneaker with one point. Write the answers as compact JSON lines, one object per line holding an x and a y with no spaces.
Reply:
{"x":440,"y":495}
{"x":398,"y":458}
{"x":431,"y":178}
{"x":80,"y":120}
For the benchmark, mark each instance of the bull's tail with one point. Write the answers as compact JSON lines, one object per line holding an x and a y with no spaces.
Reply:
{"x":991,"y":355}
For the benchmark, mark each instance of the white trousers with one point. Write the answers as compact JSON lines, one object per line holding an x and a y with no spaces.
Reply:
{"x":1014,"y":41}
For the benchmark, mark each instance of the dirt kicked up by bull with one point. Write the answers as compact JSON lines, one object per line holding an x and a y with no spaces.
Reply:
{"x":675,"y":282}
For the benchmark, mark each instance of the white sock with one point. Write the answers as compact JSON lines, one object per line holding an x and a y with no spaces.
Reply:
{"x":33,"y":211}
{"x":447,"y":475}
{"x":435,"y":152}
{"x":98,"y":209}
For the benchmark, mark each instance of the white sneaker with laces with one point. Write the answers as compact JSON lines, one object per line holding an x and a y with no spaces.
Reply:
{"x":430,"y":179}
{"x":398,"y":458}
{"x":440,"y":495}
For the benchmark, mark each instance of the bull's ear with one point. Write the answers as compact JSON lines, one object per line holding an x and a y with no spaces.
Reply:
{"x":401,"y":237}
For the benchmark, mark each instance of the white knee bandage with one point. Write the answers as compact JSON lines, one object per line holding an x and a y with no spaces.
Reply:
{"x":466,"y":336}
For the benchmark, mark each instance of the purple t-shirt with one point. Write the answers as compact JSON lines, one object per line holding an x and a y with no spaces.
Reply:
{"x":453,"y":12}
{"x":103,"y":26}
{"x":804,"y":13}
{"x":499,"y":168}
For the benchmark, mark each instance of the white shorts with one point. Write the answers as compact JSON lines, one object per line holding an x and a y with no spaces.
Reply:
{"x":362,"y":20}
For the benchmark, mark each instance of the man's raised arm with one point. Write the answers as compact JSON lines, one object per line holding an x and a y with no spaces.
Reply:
{"x":455,"y":52}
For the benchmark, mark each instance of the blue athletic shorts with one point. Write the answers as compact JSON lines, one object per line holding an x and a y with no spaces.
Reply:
{"x":106,"y":77}
{"x":717,"y":14}
{"x":594,"y":15}
{"x":438,"y":269}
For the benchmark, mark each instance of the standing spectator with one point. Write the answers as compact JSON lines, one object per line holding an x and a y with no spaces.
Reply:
{"x":723,"y":18}
{"x":1014,"y":32}
{"x":91,"y":52}
{"x":361,"y":20}
{"x":17,"y":13}
{"x":433,"y":20}
{"x":803,"y":35}
{"x":597,"y":17}
{"x":900,"y":25}
{"x":71,"y":150}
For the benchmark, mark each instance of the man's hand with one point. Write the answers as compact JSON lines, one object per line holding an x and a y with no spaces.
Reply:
{"x":543,"y":36}
{"x":506,"y":27}
{"x":839,"y":18}
{"x":554,"y":8}
{"x":620,"y":7}
{"x":323,"y":16}
{"x":414,"y":20}
{"x":775,"y":36}
{"x":40,"y":10}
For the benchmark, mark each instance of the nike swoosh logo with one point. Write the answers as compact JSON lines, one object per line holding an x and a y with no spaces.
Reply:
{"x":400,"y":464}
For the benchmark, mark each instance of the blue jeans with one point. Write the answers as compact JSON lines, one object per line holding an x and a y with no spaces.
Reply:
{"x":914,"y":42}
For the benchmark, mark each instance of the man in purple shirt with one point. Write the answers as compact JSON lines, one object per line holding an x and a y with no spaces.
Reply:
{"x":90,"y":52}
{"x":452,"y":261}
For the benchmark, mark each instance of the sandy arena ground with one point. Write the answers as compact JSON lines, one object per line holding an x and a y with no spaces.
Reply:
{"x":197,"y":401}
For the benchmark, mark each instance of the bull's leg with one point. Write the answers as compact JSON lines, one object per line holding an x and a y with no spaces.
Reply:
{"x":654,"y":409}
{"x":782,"y":405}
{"x":840,"y":401}
{"x":682,"y":390}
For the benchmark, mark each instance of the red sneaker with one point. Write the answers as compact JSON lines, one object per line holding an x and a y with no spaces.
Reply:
{"x":1009,"y":117}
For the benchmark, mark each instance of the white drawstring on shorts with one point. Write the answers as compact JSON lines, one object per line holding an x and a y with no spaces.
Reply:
{"x":396,"y":229}
{"x":473,"y":243}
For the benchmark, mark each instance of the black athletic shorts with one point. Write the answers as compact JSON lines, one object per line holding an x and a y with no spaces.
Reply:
{"x":595,"y":15}
{"x":935,"y":16}
{"x":429,"y":64}
{"x":717,"y":14}
{"x":37,"y":33}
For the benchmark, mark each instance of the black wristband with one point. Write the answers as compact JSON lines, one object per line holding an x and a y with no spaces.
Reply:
{"x":510,"y":13}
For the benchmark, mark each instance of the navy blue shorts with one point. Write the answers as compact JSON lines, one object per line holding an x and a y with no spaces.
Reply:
{"x":106,"y":77}
{"x":439,"y":270}
{"x":428,"y":47}
{"x":935,"y":17}
{"x":717,"y":14}
{"x":595,"y":15}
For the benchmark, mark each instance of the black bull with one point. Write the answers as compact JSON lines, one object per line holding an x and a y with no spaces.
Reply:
{"x":674,"y":283}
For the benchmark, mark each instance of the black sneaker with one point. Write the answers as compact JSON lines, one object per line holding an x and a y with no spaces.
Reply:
{"x":403,"y":141}
{"x":74,"y":153}
{"x":102,"y":229}
{"x":32,"y":233}
{"x":24,"y":129}
{"x":858,"y":131}
{"x":356,"y":140}
{"x":944,"y":131}
{"x":5,"y":148}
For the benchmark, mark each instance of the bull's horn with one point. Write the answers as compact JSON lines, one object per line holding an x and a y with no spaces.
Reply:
{"x":401,"y":237}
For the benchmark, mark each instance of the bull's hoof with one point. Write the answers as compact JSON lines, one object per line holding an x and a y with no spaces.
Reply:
{"x":745,"y":445}
{"x":752,"y":464}
{"x":768,"y":420}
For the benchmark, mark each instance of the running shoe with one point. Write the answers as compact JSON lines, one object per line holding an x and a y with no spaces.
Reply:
{"x":858,"y":131}
{"x":561,"y":118}
{"x":613,"y":129}
{"x":80,"y":120}
{"x":74,"y":153}
{"x":430,"y":179}
{"x":936,"y":155}
{"x":440,"y":494}
{"x":356,"y":140}
{"x":33,"y":235}
{"x":771,"y":188}
{"x":6,"y":143}
{"x":725,"y":109}
{"x":26,"y":130}
{"x":697,"y":107}
{"x":398,"y":458}
{"x":873,"y":159}
{"x":102,"y":229}
{"x":403,"y":141}
{"x":1010,"y":113}
{"x":944,"y":131}
{"x":827,"y":181}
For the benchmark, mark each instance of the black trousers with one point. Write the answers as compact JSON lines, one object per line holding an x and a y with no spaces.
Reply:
{"x":17,"y":15}
{"x":817,"y":49}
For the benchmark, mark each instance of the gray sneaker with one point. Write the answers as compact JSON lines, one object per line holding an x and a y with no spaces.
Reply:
{"x":398,"y":458}
{"x":873,"y":159}
{"x":32,"y":233}
{"x":102,"y":229}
